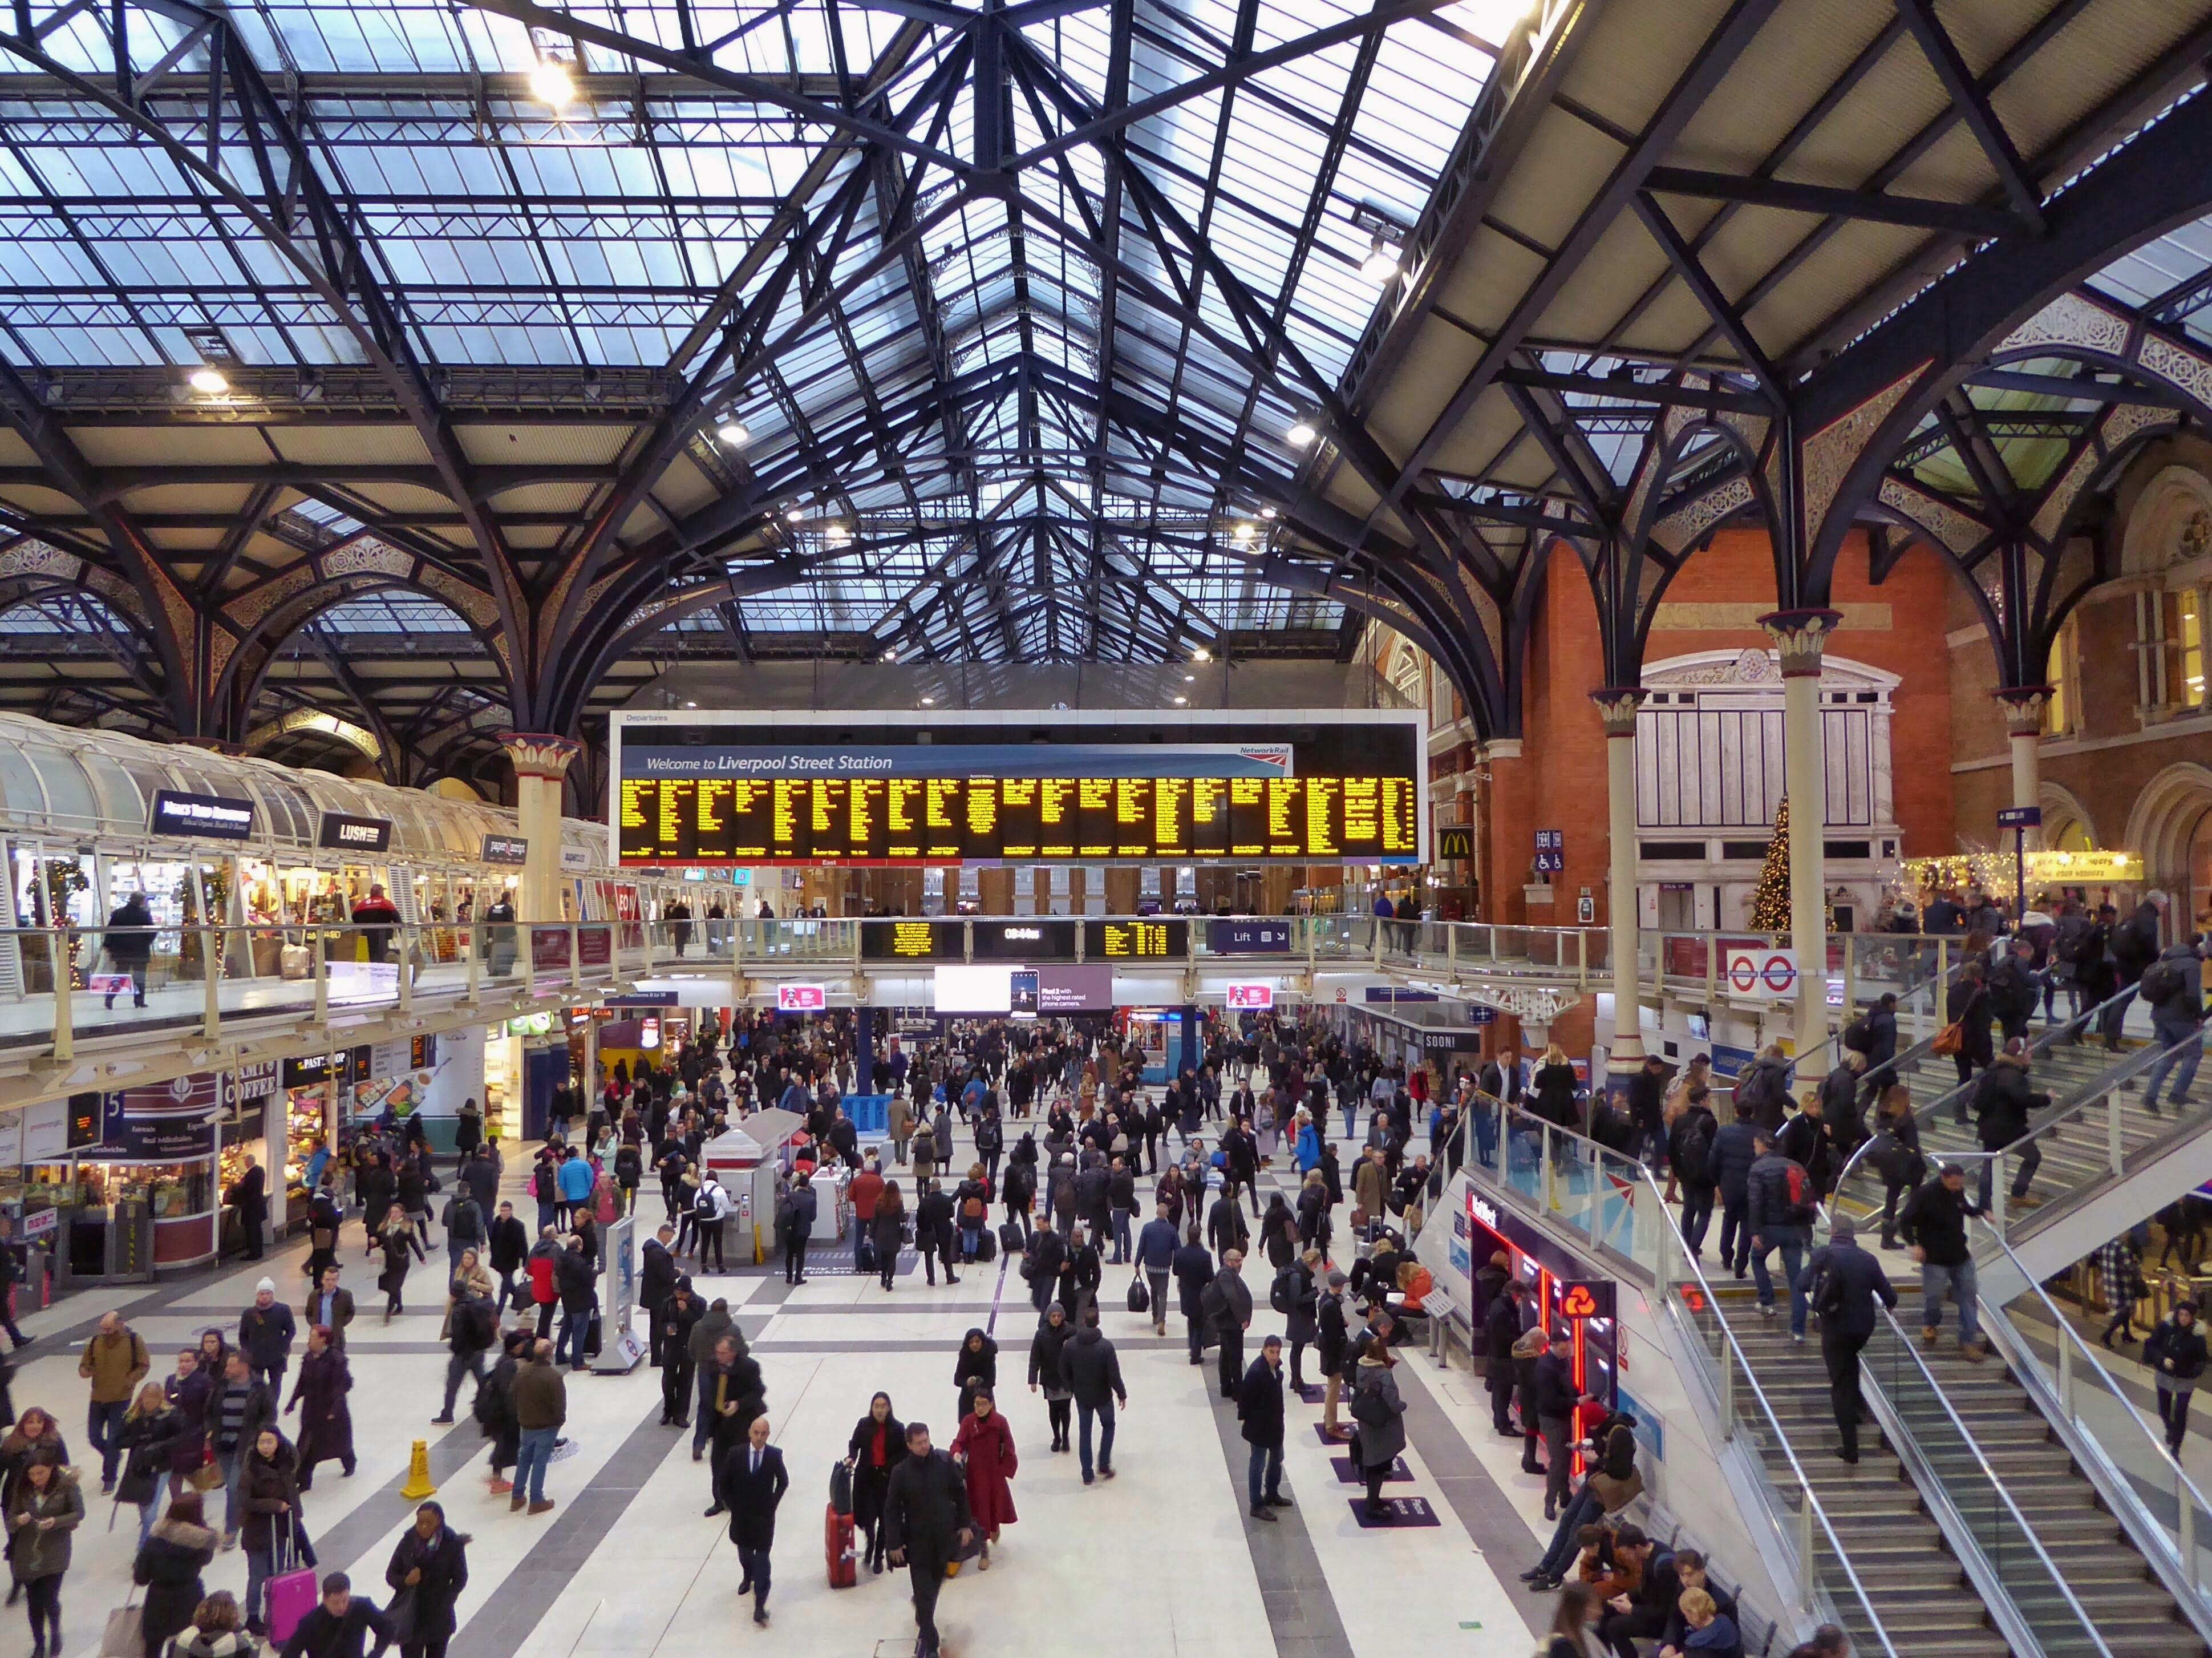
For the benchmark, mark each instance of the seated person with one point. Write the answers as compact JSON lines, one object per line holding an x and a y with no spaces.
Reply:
{"x":1690,"y":1572}
{"x":1639,"y":1613}
{"x":1609,"y":1484}
{"x":1713,"y":1632}
{"x":1593,"y":1555}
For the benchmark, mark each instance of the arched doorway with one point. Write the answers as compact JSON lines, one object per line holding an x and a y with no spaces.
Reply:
{"x":2172,"y":826}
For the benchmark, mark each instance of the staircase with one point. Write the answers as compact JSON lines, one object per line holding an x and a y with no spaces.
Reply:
{"x":2131,"y":1609}
{"x":1917,"y":1589}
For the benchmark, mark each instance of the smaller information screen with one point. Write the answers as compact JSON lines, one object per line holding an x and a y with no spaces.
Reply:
{"x":1136,"y":941}
{"x":911,"y":941}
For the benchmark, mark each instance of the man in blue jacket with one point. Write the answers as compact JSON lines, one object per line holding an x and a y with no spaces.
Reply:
{"x":1782,"y":1209}
{"x":1156,"y":1253}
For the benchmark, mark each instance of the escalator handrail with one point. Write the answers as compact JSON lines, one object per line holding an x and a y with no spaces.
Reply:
{"x":2105,"y":1081}
{"x":1935,"y":1490}
{"x":1650,"y":1187}
{"x":2123,"y":1492}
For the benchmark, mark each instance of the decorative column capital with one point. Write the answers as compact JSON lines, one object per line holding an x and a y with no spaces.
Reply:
{"x":1501,"y":749}
{"x":1616,"y":707}
{"x":1800,"y":636}
{"x":538,"y":755}
{"x":2024,"y":707}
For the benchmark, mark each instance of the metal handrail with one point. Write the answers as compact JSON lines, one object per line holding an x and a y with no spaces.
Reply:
{"x":2179,"y":1552}
{"x":2106,"y":1081}
{"x":1995,"y":1593}
{"x":1740,"y":1359}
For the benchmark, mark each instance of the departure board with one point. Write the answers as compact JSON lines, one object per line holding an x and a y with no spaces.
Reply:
{"x":913,"y":941}
{"x":687,"y":790}
{"x":1166,"y":939}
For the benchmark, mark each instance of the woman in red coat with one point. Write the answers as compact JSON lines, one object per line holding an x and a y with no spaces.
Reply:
{"x":985,"y":1447}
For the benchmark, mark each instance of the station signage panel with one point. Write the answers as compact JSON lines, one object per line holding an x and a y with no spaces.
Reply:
{"x":701,"y":789}
{"x":201,"y":817}
{"x":911,"y":941}
{"x":1023,"y":941}
{"x":1244,"y":935}
{"x":505,"y":848}
{"x":342,"y":833}
{"x":1164,"y":940}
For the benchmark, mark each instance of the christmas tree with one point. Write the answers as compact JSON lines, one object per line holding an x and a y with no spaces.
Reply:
{"x":1769,"y":905}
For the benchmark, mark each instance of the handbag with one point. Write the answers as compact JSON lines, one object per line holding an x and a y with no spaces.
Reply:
{"x":1140,"y":1296}
{"x":205,"y":1478}
{"x":401,"y":1615}
{"x":1950,"y":1039}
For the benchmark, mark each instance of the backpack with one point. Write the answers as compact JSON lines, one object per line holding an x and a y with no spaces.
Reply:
{"x":702,"y":1206}
{"x":1368,"y":1408}
{"x":973,"y":1208}
{"x":1798,"y":1207}
{"x":1693,"y":1161}
{"x":2160,"y":982}
{"x":1858,"y":1035}
{"x":1278,"y":1295}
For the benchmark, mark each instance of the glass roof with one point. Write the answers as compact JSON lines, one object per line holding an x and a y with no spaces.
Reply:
{"x":1033,"y":416}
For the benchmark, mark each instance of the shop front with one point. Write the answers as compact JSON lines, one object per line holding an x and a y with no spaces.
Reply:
{"x":143,"y":1193}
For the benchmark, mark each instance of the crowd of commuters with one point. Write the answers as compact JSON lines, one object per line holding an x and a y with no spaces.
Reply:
{"x":1028,"y":1141}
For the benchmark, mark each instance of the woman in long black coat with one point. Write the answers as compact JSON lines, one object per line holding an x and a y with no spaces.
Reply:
{"x":325,"y":1418}
{"x":168,"y":1569}
{"x":879,"y":1442}
{"x":376,"y":1187}
{"x":399,"y":1242}
{"x":429,"y":1569}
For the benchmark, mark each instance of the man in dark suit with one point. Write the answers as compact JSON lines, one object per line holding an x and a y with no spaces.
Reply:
{"x":329,"y":1307}
{"x":1260,"y":1403}
{"x":753,"y":1483}
{"x":249,"y":1196}
{"x":656,"y":1282}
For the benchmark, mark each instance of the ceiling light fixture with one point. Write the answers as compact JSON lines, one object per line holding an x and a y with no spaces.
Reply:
{"x":1201,"y":655}
{"x":551,"y":83}
{"x":1244,"y":532}
{"x":1381,"y":264}
{"x":209,"y":381}
{"x":1266,"y":512}
{"x":733,"y":433}
{"x":927,"y":702}
{"x":794,"y":514}
{"x":1182,"y":702}
{"x":1190,"y":679}
{"x":1302,"y":433}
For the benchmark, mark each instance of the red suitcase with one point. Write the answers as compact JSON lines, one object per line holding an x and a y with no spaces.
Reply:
{"x":837,"y":1536}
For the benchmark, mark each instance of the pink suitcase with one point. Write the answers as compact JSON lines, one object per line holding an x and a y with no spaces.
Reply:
{"x":292,"y":1596}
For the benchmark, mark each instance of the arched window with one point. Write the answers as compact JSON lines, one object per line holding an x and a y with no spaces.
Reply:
{"x":2200,"y":865}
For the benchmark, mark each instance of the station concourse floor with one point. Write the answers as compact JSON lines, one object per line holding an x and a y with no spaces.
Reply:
{"x":1161,"y":1560}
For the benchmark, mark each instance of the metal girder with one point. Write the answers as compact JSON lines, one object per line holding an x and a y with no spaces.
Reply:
{"x":2159,"y":179}
{"x":1736,"y":32}
{"x":1981,"y":118}
{"x":1875,"y":206}
{"x":293,"y":208}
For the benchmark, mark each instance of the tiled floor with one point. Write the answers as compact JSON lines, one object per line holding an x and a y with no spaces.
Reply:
{"x":1162,"y":1559}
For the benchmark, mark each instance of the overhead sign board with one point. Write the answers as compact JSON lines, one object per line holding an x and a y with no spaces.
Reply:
{"x":1551,"y":850}
{"x":911,"y":941}
{"x":1242,"y":935}
{"x":1071,"y":989}
{"x":1164,"y":940}
{"x":801,"y":998}
{"x":1023,"y":941}
{"x":891,"y":788}
{"x":340,"y":833}
{"x":1454,"y":841}
{"x":1761,"y":973}
{"x":201,"y":817}
{"x":1255,"y":998}
{"x":505,"y":848}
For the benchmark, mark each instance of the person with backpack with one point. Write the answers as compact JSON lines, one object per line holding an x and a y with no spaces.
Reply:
{"x":1895,"y":1154}
{"x":971,"y":1201}
{"x":2003,"y":1106}
{"x":1690,"y":1159}
{"x":2172,"y":987}
{"x":1766,"y":1088}
{"x":1782,"y":1206}
{"x":1296,"y":1296}
{"x":1846,"y":1283}
{"x":2176,"y":1354}
{"x":709,"y":1210}
{"x":464,"y":1220}
{"x":2014,"y":990}
{"x":472,"y":1332}
{"x":1736,"y":1147}
{"x":1934,"y":1227}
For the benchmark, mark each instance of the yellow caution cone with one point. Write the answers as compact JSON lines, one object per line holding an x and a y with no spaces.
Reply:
{"x":418,"y":1484}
